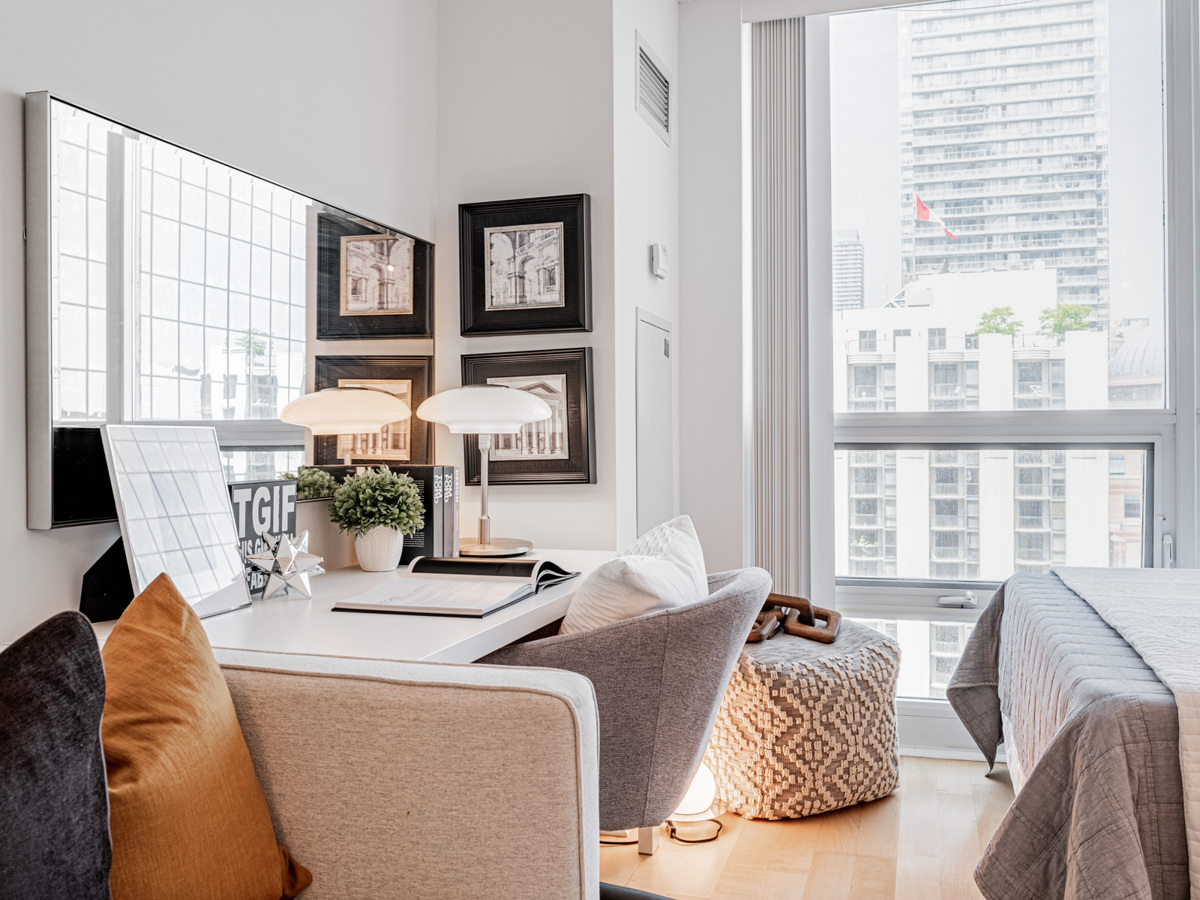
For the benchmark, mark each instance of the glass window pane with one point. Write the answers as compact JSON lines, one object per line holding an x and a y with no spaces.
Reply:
{"x":987,"y":159}
{"x":929,"y":652}
{"x":918,"y":513}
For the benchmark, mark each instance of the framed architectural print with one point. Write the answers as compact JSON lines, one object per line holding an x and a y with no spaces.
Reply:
{"x":525,"y":265}
{"x":372,"y":282}
{"x":409,"y":442}
{"x":560,"y":450}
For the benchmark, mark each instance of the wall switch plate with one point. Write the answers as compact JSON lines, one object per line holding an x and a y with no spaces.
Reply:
{"x":660,"y":263}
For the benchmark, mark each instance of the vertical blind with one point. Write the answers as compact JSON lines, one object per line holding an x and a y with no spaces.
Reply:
{"x":780,"y":402}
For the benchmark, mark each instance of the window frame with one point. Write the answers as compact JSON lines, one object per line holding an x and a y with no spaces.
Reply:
{"x":1169,"y":433}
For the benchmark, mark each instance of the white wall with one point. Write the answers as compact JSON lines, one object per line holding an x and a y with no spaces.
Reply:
{"x":536,"y":98}
{"x":712,"y":325}
{"x":646,"y":211}
{"x":525,"y":90}
{"x":337,"y":102}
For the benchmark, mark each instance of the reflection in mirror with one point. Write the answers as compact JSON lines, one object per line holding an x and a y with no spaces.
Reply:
{"x":175,"y":514}
{"x":165,"y":287}
{"x":213,"y":260}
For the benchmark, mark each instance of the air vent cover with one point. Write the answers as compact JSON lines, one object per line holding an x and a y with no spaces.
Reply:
{"x":653,"y":91}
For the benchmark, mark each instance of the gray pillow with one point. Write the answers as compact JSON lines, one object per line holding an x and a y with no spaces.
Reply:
{"x":53,"y":790}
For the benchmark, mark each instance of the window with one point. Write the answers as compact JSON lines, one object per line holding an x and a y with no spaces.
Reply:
{"x":989,"y":162}
{"x":866,"y":341}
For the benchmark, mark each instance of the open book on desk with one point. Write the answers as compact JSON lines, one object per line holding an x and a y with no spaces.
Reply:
{"x":457,"y":587}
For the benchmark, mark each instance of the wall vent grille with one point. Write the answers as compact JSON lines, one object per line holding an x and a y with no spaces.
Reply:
{"x":653,"y":91}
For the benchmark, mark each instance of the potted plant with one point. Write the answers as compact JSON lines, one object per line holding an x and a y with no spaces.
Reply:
{"x":378,"y":507}
{"x":312,"y":484}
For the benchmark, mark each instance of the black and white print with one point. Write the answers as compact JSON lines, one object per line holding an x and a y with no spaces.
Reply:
{"x":390,"y":444}
{"x":524,"y":266}
{"x":377,"y":275}
{"x":547,"y":439}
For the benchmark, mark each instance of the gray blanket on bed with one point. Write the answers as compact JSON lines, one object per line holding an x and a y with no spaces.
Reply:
{"x":1101,"y":812}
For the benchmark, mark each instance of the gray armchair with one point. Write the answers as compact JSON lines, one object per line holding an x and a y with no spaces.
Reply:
{"x":659,"y":680}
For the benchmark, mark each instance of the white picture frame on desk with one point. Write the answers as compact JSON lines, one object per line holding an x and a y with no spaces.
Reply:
{"x":175,"y":513}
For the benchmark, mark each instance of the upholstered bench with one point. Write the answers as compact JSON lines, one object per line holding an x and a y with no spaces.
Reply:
{"x":807,"y":727}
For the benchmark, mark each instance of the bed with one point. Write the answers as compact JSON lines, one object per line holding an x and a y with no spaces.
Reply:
{"x":1092,"y":736}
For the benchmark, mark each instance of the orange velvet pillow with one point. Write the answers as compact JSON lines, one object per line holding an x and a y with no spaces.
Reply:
{"x":188,"y":816}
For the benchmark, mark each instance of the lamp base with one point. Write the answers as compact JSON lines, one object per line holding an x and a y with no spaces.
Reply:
{"x":497,"y":547}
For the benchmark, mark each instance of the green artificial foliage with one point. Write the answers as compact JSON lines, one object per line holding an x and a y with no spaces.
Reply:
{"x":378,"y":499}
{"x":313,"y":484}
{"x":1065,"y":317}
{"x":1000,"y":320}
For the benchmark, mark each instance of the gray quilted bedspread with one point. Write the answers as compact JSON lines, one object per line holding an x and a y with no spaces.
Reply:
{"x":1101,"y":812}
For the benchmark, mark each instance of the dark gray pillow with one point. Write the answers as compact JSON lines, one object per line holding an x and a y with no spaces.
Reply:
{"x":53,"y":790}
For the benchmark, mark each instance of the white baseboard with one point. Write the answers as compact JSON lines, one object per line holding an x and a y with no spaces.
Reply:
{"x":930,"y":728}
{"x":950,"y":753}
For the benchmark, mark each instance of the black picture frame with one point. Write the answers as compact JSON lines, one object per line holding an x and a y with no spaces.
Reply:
{"x":332,"y":325}
{"x":331,"y":370}
{"x":572,"y":214}
{"x":579,"y":464}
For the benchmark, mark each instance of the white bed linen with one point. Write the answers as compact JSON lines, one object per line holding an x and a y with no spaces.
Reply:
{"x":1157,"y":612}
{"x":1016,"y":767}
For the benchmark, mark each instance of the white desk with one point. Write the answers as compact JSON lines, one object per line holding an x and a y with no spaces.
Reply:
{"x":283,"y":625}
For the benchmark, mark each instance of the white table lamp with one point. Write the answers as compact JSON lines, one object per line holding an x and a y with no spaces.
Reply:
{"x":346,"y":411}
{"x":484,"y":410}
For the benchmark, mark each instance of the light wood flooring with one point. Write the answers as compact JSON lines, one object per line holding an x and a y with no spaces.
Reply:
{"x":921,"y":843}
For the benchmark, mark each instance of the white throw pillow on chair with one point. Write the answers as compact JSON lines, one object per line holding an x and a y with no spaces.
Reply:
{"x":662,"y":569}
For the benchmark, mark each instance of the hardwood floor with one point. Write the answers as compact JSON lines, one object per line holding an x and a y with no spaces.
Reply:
{"x":921,"y":843}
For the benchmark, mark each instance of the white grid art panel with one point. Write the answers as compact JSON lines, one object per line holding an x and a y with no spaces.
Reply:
{"x":175,"y":512}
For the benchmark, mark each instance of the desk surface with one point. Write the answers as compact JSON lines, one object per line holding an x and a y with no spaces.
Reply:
{"x":287,"y":625}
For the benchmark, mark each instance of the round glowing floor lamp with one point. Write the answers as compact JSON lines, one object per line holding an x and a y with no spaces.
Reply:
{"x":346,"y":411}
{"x":696,"y":807}
{"x":485,"y":410}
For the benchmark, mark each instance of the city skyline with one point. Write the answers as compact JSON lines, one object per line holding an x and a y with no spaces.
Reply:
{"x":869,"y":193}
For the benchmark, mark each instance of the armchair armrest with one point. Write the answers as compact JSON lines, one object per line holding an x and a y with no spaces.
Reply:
{"x":424,"y":779}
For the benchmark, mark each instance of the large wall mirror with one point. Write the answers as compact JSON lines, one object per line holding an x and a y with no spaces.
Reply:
{"x":164,"y":287}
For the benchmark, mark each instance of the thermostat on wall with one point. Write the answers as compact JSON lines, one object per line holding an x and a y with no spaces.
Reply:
{"x":660,"y":264}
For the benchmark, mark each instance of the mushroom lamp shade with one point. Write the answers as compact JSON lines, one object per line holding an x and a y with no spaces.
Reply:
{"x":346,"y":411}
{"x":484,"y":410}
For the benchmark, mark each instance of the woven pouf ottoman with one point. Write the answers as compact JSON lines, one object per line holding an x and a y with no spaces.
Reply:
{"x":807,"y":727}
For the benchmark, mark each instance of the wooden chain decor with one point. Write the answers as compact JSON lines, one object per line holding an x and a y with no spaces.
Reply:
{"x":795,"y":615}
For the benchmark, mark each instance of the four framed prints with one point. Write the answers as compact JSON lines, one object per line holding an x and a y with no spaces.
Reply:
{"x":525,"y":268}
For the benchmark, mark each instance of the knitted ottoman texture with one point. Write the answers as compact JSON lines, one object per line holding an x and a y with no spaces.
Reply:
{"x":805,"y":727}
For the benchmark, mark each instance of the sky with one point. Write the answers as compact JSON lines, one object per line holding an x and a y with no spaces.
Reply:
{"x":865,"y":71}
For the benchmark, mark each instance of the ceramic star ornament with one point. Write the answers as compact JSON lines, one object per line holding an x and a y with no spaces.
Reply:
{"x":288,"y":564}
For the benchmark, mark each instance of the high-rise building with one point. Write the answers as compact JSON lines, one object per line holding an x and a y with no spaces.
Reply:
{"x":981,"y":513}
{"x":1004,"y":137}
{"x":849,"y":273}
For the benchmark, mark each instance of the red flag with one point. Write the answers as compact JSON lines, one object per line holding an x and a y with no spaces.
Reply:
{"x":925,"y":214}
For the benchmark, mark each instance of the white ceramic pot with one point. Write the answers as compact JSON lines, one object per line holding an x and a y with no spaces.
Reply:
{"x":379,"y":549}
